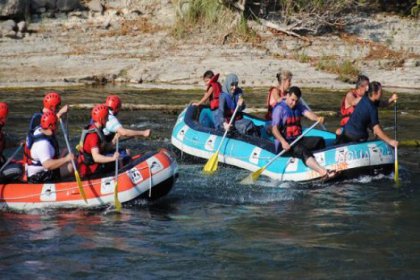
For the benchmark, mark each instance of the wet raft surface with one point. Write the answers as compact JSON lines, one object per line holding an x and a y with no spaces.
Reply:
{"x":210,"y":226}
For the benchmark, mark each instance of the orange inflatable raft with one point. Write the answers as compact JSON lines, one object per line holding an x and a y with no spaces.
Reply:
{"x":149,"y":176}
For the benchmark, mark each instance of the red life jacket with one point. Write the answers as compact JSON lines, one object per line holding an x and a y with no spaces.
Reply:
{"x":291,"y":128}
{"x":346,"y":112}
{"x":270,"y":108}
{"x":217,"y":89}
{"x":85,"y":158}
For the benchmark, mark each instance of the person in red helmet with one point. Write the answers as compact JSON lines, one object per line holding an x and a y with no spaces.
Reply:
{"x":42,"y":154}
{"x":113,"y":126}
{"x":13,"y":170}
{"x":51,"y":103}
{"x":92,"y":158}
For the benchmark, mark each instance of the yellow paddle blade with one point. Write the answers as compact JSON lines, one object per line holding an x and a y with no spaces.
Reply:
{"x":117,"y":202}
{"x":396,"y":177}
{"x":79,"y":184}
{"x":253,"y":177}
{"x":211,"y":165}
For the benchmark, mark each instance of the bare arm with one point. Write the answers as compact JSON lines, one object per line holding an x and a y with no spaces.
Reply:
{"x":377,"y":129}
{"x":280,"y":138}
{"x":206,"y":96}
{"x":52,"y":164}
{"x":133,"y":133}
{"x":98,"y":158}
{"x":313,"y":117}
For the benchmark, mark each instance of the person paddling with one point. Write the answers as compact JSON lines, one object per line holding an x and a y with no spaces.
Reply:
{"x":364,"y":117}
{"x":277,"y":93}
{"x":353,"y":97}
{"x":13,"y":170}
{"x":231,"y":97}
{"x":92,"y":158}
{"x":51,"y":103}
{"x":43,"y":162}
{"x":286,"y":127}
{"x":113,"y":125}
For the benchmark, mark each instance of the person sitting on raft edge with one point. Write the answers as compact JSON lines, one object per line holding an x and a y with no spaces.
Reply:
{"x":277,"y":93}
{"x":114,"y":127}
{"x":212,"y":94}
{"x":92,"y":158}
{"x":286,"y":127}
{"x":364,"y":117}
{"x":231,"y":97}
{"x":42,"y":154}
{"x":353,"y":97}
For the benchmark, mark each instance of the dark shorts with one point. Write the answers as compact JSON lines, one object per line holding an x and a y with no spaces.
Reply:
{"x":347,"y":138}
{"x":304,"y":147}
{"x":49,"y":176}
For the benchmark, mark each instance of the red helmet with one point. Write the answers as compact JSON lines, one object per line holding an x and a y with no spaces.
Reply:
{"x":4,"y":111}
{"x":52,"y":100}
{"x":100,"y":113}
{"x":114,"y":103}
{"x":49,"y":121}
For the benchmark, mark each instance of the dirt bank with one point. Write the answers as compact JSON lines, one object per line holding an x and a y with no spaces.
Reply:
{"x":133,"y":44}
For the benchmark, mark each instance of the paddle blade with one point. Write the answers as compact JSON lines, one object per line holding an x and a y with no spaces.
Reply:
{"x":396,"y":177}
{"x":253,"y":177}
{"x":117,"y":202}
{"x":211,"y":165}
{"x":79,"y":185}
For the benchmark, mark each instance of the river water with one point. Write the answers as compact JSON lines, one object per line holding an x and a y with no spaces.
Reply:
{"x":213,"y":227}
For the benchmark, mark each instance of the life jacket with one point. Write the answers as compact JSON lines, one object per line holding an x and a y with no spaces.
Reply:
{"x":2,"y":147}
{"x":270,"y":108}
{"x":346,"y":112}
{"x":31,"y":139}
{"x":217,"y":89}
{"x":230,"y":108}
{"x":291,"y":127}
{"x":85,"y":157}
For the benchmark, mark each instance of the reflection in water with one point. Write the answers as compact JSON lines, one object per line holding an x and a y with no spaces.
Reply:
{"x":213,"y":227}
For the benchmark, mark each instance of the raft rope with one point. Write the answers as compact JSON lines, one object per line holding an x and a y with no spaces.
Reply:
{"x":68,"y":189}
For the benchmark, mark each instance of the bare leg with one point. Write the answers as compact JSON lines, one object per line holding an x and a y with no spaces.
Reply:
{"x":313,"y":164}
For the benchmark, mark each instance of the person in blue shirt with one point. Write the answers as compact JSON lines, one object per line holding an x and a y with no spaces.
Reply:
{"x":286,"y":127}
{"x":231,"y":97}
{"x":364,"y":117}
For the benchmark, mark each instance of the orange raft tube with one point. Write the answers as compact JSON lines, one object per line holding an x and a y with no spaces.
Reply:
{"x":150,"y":176}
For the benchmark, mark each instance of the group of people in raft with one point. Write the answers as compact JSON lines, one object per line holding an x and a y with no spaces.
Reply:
{"x":285,"y":108}
{"x":42,"y":160}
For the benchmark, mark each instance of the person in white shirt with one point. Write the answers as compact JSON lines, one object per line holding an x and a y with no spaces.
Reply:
{"x":42,"y":154}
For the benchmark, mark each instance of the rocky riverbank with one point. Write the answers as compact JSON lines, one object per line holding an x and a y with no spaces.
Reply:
{"x":132,"y":42}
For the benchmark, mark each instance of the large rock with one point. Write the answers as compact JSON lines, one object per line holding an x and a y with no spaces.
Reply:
{"x":95,"y":6}
{"x":47,"y":4}
{"x":16,"y":9}
{"x":68,"y":5}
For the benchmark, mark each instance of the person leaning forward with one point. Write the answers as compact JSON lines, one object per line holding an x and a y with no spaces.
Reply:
{"x":286,"y":127}
{"x":364,"y":117}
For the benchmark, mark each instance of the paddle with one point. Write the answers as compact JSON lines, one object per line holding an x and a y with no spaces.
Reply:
{"x":307,"y":106}
{"x":211,"y":165}
{"x":11,"y":157}
{"x":76,"y":173}
{"x":251,"y":178}
{"x":117,"y":202}
{"x":396,"y":179}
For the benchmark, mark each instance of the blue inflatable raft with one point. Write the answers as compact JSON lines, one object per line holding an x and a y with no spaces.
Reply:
{"x":193,"y":134}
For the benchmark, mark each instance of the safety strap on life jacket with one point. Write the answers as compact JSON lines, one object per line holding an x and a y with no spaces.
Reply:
{"x":86,"y":157}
